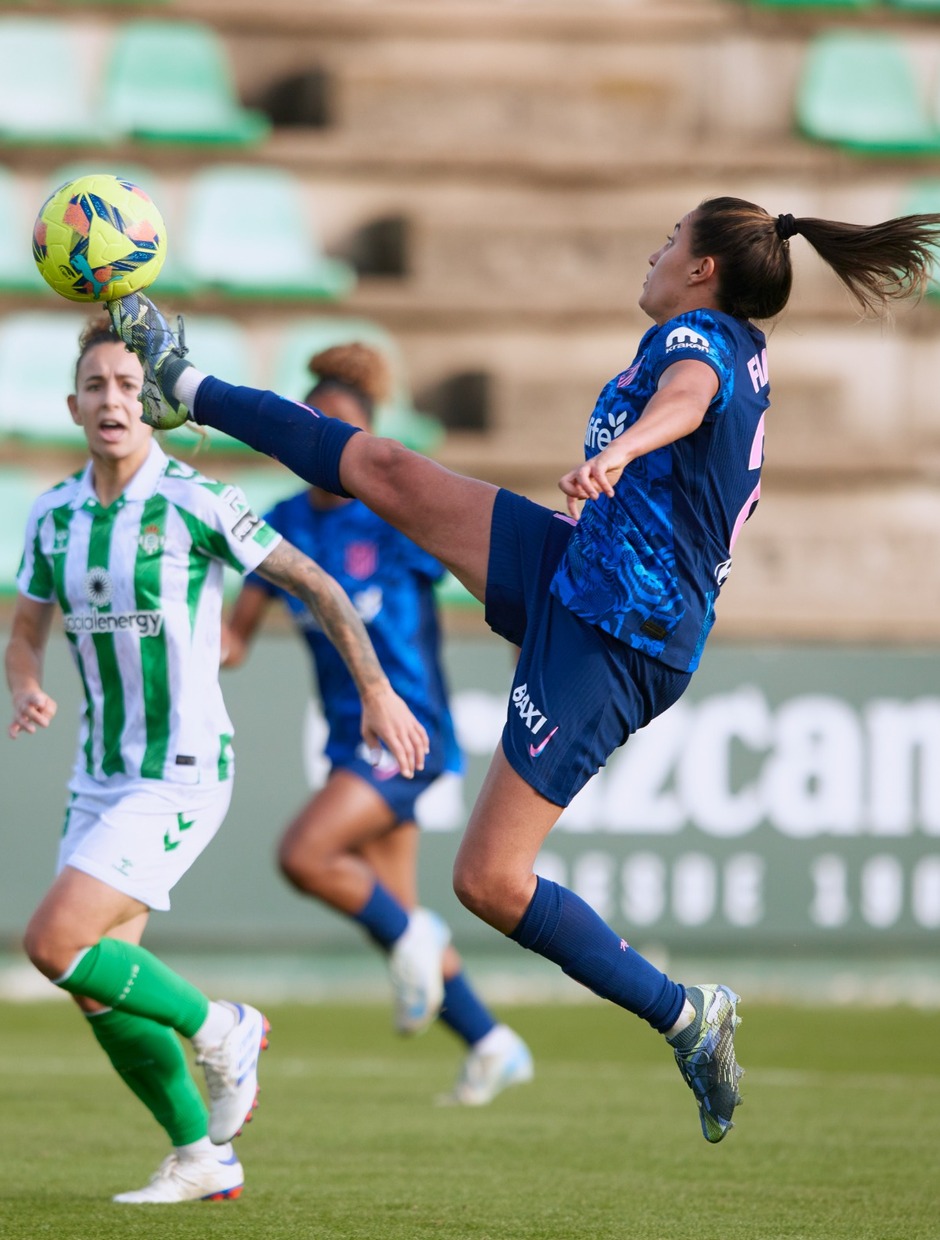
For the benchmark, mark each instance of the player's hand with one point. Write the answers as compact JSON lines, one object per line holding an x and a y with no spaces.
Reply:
{"x":31,"y":709}
{"x":386,"y":718}
{"x":595,"y":477}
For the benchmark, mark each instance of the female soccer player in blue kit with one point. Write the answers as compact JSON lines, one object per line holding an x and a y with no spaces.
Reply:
{"x":611,"y":609}
{"x":354,"y":844}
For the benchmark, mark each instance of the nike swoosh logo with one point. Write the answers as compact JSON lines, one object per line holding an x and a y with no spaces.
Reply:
{"x":535,"y":750}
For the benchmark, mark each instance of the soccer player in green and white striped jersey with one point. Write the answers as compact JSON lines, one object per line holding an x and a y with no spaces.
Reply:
{"x":132,"y":550}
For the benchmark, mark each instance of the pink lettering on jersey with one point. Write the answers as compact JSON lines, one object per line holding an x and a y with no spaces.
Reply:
{"x":628,"y":376}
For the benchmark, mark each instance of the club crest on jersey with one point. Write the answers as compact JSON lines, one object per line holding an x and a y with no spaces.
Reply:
{"x":685,"y":338}
{"x":530,"y":714}
{"x":361,"y":559}
{"x":97,"y":586}
{"x":60,"y":542}
{"x":151,"y":539}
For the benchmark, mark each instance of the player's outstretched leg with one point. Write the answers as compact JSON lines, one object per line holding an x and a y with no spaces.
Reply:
{"x":230,"y":1063}
{"x":191,"y":1173}
{"x":704,"y":1052}
{"x":299,"y":437}
{"x":146,"y":332}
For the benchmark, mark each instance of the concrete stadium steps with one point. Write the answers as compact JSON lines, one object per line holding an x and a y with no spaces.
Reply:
{"x":475,"y":253}
{"x":516,"y":163}
{"x":852,"y":564}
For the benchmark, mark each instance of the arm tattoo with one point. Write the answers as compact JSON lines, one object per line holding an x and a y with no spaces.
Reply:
{"x":330,"y":604}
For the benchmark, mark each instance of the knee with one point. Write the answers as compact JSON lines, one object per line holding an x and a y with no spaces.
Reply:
{"x":303,"y":867}
{"x":47,"y":949}
{"x":498,"y":898}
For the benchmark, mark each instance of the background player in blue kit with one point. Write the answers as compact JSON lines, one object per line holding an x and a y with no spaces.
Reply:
{"x":354,"y":844}
{"x":611,"y":610}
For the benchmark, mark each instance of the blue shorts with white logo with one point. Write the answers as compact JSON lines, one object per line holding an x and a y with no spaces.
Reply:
{"x":399,"y":793}
{"x":578,"y":693}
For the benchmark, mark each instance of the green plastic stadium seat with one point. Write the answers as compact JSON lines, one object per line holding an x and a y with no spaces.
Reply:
{"x":18,"y":489}
{"x":47,"y":91}
{"x":858,"y":90}
{"x":173,"y":278}
{"x":172,"y":82}
{"x":248,"y":232}
{"x":815,"y":4}
{"x":37,"y":356}
{"x":398,"y":417}
{"x":18,"y":272}
{"x":450,"y":593}
{"x":264,"y":486}
{"x":923,"y":197}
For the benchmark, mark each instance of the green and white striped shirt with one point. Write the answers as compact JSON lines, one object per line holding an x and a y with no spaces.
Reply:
{"x":140,"y":587}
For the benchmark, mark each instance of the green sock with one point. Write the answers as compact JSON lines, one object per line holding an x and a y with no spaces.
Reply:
{"x":127,"y":977}
{"x":150,"y":1060}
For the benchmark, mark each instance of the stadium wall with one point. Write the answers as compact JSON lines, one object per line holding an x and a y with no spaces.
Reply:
{"x":789,"y":803}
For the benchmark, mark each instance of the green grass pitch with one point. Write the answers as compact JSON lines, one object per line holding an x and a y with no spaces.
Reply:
{"x":838,"y":1137}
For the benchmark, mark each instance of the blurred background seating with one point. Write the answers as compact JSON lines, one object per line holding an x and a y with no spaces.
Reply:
{"x":478,"y":186}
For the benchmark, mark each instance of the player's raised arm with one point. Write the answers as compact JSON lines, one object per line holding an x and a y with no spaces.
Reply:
{"x":385,"y":717}
{"x":32,"y":706}
{"x":676,"y":409}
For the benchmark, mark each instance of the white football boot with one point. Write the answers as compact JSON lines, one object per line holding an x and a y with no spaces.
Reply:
{"x":217,"y":1177}
{"x":416,"y":964}
{"x":497,"y":1061}
{"x":231,"y":1069}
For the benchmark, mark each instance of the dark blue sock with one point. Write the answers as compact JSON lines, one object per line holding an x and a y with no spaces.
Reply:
{"x":382,"y":917}
{"x":306,"y":441}
{"x":464,"y":1012}
{"x":562,"y":928}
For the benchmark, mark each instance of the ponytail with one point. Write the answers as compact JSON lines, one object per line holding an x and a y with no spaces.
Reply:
{"x":877,"y":263}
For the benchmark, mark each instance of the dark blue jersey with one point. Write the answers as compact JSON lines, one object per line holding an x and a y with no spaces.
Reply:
{"x":390,"y":582}
{"x":647,"y":565}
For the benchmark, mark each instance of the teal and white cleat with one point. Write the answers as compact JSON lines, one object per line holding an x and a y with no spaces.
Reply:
{"x":416,"y":966}
{"x":705,"y":1055}
{"x":178,"y":1178}
{"x":499,"y":1060}
{"x":146,"y":332}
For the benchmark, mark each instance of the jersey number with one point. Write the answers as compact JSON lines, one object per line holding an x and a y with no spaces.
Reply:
{"x":755,"y":461}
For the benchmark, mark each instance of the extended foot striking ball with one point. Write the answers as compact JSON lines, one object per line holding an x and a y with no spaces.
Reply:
{"x":99,"y":238}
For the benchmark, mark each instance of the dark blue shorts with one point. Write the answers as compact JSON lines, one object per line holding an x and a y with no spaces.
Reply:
{"x":578,"y":693}
{"x":398,"y":793}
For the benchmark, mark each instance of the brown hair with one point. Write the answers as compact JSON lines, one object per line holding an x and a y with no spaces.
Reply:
{"x":356,"y":368}
{"x":95,"y":332}
{"x":877,"y":263}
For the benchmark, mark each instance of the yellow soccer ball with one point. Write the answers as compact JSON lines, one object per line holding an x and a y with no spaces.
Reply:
{"x":99,"y":238}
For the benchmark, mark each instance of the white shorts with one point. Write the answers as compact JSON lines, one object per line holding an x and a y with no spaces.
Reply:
{"x":142,"y":841}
